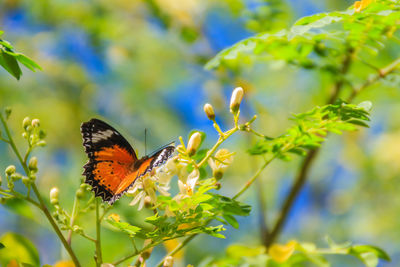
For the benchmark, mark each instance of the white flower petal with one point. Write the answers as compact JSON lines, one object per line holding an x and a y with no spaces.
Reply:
{"x":139,"y":196}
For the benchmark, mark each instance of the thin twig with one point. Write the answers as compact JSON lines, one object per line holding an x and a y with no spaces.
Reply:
{"x":178,"y":248}
{"x":382,"y":73}
{"x":42,"y":205}
{"x":294,"y":191}
{"x":137,"y":252}
{"x":345,"y":68}
{"x":73,"y":217}
{"x":99,"y":256}
{"x":307,"y":162}
{"x":252,"y":179}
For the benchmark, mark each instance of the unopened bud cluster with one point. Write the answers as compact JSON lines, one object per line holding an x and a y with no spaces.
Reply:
{"x":12,"y":176}
{"x":32,"y":132}
{"x":236,"y":99}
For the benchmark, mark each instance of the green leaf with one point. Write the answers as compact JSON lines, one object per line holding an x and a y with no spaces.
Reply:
{"x":125,"y":227}
{"x":358,"y":122}
{"x":19,"y":248}
{"x":311,"y":129}
{"x":369,"y":255}
{"x":231,"y":220}
{"x":27,"y":62}
{"x":201,"y":198}
{"x":9,"y":63}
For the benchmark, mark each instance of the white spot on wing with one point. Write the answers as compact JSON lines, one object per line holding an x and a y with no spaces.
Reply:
{"x":161,"y":158}
{"x":102,"y":135}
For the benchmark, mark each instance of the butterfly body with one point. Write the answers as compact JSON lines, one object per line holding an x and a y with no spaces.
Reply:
{"x":113,"y":166}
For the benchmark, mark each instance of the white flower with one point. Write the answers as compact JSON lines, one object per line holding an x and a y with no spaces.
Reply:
{"x":149,"y":185}
{"x":223,"y":158}
{"x":187,"y":188}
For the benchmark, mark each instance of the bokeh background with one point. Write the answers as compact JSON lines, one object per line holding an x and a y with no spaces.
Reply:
{"x":139,"y":65}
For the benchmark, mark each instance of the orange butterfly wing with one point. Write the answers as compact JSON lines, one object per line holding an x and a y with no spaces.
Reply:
{"x":113,"y":166}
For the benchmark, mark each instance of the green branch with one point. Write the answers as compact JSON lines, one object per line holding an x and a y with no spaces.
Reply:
{"x":42,"y":205}
{"x":99,"y":256}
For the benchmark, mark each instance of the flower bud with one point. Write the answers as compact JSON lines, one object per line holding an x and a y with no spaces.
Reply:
{"x":16,"y":176}
{"x":208,"y":109}
{"x":26,"y":181}
{"x":218,"y":174}
{"x":168,"y":262}
{"x":54,"y":196}
{"x":194,"y":143}
{"x":8,"y":112}
{"x":41,"y":143}
{"x":84,"y":186}
{"x":35,"y":123}
{"x":33,"y":164}
{"x":76,"y":229}
{"x":80,"y":193}
{"x":24,"y":135}
{"x":236,"y":99}
{"x":26,"y":122}
{"x":10,"y":170}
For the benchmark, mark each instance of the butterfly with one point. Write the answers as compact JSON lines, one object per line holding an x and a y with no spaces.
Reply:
{"x":113,"y":166}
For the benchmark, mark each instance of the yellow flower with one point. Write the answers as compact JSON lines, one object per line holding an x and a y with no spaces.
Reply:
{"x":170,"y":245}
{"x":360,"y":5}
{"x":281,"y":253}
{"x":64,"y":264}
{"x":114,"y":217}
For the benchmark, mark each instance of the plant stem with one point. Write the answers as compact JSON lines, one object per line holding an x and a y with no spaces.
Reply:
{"x":262,"y":209}
{"x":294,"y":191}
{"x":245,"y":187}
{"x":178,"y":248}
{"x":307,"y":162}
{"x":221,"y":139}
{"x":99,"y":256}
{"x":382,"y":73}
{"x":138,"y":252}
{"x":42,"y":205}
{"x":306,"y":165}
{"x":345,"y":68}
{"x":252,"y":179}
{"x":73,"y":217}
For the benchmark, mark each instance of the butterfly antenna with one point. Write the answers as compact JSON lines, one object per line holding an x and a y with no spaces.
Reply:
{"x":145,"y":141}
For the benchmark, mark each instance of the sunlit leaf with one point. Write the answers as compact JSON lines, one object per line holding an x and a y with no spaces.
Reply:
{"x":369,"y":255}
{"x":18,"y":247}
{"x":125,"y":227}
{"x":281,"y":253}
